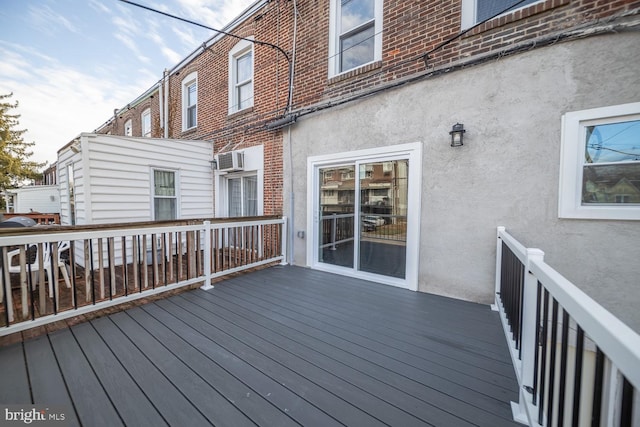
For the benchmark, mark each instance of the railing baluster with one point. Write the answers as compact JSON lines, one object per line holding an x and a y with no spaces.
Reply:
{"x":125,"y":274}
{"x":626,"y":409}
{"x":563,"y":366}
{"x":536,"y":359}
{"x":101,"y":267}
{"x":596,"y":411}
{"x":552,"y":361}
{"x":543,"y":369}
{"x":577,"y":384}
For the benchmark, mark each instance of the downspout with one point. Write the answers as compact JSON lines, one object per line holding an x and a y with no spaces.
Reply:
{"x":289,"y":108}
{"x":165,"y":125}
{"x":161,"y":98}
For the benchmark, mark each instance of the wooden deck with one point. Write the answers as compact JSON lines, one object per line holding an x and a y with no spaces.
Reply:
{"x":278,"y":347}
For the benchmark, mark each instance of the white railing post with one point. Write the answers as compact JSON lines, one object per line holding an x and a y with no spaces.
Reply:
{"x":528,"y":337}
{"x":283,"y":239}
{"x":496,"y":305}
{"x":529,"y":327}
{"x":207,"y":257}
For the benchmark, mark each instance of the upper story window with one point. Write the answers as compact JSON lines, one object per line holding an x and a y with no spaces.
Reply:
{"x":600,"y":164}
{"x":475,"y":11}
{"x":128,"y":128}
{"x":145,"y":119}
{"x":241,"y":76}
{"x":355,"y":35}
{"x":190,"y":101}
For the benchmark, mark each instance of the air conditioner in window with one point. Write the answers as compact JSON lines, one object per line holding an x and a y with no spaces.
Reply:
{"x":231,"y":161}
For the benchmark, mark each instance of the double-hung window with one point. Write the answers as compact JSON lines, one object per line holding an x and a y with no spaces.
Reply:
{"x":128,"y":128}
{"x":164,"y":195}
{"x":190,"y":101}
{"x":355,"y":37}
{"x":600,"y":164}
{"x":476,"y":11}
{"x":145,"y":119}
{"x":241,"y":76}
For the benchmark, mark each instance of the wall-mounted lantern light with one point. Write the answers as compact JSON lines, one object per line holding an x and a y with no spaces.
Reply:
{"x":457,"y":135}
{"x":214,"y":164}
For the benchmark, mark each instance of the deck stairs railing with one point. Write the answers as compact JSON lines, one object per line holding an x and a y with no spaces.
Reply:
{"x":53,"y":273}
{"x":576,"y":363}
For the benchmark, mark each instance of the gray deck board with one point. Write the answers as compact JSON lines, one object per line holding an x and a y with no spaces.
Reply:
{"x":46,"y":382}
{"x":283,"y":346}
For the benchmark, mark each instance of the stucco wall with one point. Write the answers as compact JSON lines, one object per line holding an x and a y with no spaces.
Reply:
{"x":506,"y":173}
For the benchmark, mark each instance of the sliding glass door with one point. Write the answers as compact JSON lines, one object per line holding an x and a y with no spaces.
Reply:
{"x":362,"y":216}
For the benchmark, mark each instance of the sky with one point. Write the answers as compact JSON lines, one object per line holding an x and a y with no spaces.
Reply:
{"x":70,"y":63}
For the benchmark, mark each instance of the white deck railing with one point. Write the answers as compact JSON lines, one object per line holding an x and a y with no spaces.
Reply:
{"x":108,"y":265}
{"x":576,"y":363}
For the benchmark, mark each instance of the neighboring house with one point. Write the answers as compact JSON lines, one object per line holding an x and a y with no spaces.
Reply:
{"x":548,"y":95}
{"x":109,"y":179}
{"x":33,"y":198}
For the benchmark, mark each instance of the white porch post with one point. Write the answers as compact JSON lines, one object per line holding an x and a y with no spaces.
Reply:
{"x":528,"y":339}
{"x":207,"y":257}
{"x":283,"y":239}
{"x":496,"y":305}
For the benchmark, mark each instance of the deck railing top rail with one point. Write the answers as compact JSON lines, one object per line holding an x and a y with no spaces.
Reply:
{"x":105,"y":265}
{"x":545,"y":316}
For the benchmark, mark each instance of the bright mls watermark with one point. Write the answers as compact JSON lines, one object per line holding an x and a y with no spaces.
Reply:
{"x":39,"y":415}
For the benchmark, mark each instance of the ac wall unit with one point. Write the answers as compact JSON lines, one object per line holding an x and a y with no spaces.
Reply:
{"x":231,"y":161}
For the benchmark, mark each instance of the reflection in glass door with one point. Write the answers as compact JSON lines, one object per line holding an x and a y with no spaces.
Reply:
{"x":372,"y":228}
{"x":383,"y":217}
{"x":337,"y":215}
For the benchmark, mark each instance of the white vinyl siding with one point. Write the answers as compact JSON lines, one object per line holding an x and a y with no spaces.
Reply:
{"x":120,"y":182}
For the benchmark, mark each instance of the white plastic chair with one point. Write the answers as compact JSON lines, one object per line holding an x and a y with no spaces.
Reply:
{"x":46,"y":264}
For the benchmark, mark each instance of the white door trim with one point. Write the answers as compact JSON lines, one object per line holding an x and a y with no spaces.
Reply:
{"x":412,"y":152}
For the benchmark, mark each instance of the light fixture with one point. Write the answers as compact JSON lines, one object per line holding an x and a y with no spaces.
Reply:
{"x":457,"y":134}
{"x":214,"y":164}
{"x":75,"y":146}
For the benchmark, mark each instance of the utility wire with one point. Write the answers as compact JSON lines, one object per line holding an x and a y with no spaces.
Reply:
{"x":258,"y":42}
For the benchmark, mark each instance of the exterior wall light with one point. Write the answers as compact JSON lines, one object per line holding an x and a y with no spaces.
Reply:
{"x":214,"y":164}
{"x":457,"y":135}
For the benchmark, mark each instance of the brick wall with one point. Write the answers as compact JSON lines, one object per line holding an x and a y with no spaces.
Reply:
{"x":411,"y":29}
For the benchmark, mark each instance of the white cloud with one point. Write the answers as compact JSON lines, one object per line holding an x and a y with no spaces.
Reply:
{"x":61,"y":102}
{"x":48,"y":21}
{"x":99,"y":6}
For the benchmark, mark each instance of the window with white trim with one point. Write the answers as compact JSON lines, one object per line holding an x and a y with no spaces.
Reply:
{"x":145,"y":119}
{"x":476,"y":11}
{"x":190,"y":101}
{"x":242,"y":194}
{"x":355,"y":34}
{"x":165,"y":200}
{"x":128,"y":128}
{"x":241,"y":76}
{"x":600,"y":163}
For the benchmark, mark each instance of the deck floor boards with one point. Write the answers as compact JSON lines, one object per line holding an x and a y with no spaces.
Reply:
{"x":282,"y":346}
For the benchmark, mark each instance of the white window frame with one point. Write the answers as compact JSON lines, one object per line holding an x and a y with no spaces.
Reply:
{"x":242,"y":48}
{"x":410,"y":151}
{"x":470,"y":10}
{"x":334,"y":37}
{"x":572,"y":162}
{"x":128,"y":128}
{"x":241,"y":176}
{"x":176,"y":183}
{"x":187,"y":82}
{"x":253,"y":165}
{"x":146,"y":115}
